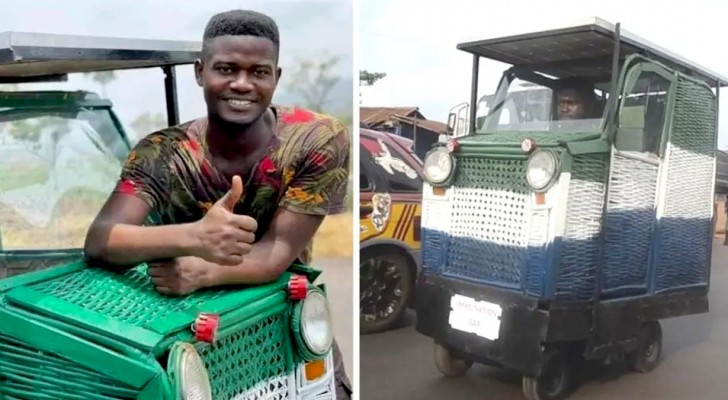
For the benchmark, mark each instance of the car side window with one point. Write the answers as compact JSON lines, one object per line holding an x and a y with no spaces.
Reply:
{"x":400,"y":174}
{"x":365,"y":184}
{"x":642,"y":116}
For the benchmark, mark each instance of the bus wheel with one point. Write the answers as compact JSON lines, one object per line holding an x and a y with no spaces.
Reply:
{"x":555,"y":379}
{"x":449,"y":365}
{"x":647,"y":356}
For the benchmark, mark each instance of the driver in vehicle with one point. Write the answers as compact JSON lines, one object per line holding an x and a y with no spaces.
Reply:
{"x":234,"y":197}
{"x":577,"y":101}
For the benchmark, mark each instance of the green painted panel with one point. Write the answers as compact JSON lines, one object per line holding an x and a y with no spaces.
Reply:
{"x":588,"y":147}
{"x":515,"y":138}
{"x":83,"y":352}
{"x":77,"y":315}
{"x":260,"y":295}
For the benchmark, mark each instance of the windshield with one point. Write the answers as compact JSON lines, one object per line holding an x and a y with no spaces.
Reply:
{"x":56,"y":171}
{"x":533,"y":102}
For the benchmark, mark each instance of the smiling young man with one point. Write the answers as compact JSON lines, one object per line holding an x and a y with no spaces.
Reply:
{"x":234,"y":197}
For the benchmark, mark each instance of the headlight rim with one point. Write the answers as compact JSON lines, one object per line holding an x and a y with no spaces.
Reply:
{"x":176,"y":367}
{"x":299,"y":335}
{"x":453,"y":161}
{"x":554,"y":177}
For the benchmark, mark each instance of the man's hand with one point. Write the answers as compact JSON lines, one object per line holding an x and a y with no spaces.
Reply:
{"x":180,"y":276}
{"x":223,"y":237}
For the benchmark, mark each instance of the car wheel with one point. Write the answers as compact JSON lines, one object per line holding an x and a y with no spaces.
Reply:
{"x":386,"y":286}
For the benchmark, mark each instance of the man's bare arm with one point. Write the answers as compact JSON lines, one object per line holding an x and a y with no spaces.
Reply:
{"x":286,"y":238}
{"x":117,"y":237}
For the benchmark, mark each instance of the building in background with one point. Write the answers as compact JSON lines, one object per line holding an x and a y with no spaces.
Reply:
{"x":407,"y":122}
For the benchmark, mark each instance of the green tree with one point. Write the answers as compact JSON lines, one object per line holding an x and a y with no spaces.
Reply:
{"x":367,"y":78}
{"x":313,"y":81}
{"x":370,"y":78}
{"x":147,"y":123}
{"x":103,"y":78}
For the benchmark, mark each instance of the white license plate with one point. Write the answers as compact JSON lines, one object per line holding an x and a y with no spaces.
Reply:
{"x":481,"y":318}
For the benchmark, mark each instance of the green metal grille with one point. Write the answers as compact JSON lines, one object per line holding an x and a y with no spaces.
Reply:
{"x":129,"y":297}
{"x":242,"y":360}
{"x":27,"y":373}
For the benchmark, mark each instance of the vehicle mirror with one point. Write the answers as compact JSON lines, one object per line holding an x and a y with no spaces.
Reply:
{"x":365,"y":211}
{"x":451,"y":120}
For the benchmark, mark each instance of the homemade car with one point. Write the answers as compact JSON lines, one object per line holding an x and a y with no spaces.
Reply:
{"x":69,"y":331}
{"x":390,"y":186}
{"x":550,"y":238}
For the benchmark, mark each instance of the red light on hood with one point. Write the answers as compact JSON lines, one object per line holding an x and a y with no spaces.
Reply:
{"x":453,"y":145}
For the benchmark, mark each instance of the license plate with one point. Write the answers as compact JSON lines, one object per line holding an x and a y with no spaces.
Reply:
{"x":481,"y":318}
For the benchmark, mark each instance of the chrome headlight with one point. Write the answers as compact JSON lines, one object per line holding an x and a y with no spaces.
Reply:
{"x":438,"y":166}
{"x":312,"y":325}
{"x":542,"y":169}
{"x":188,"y":373}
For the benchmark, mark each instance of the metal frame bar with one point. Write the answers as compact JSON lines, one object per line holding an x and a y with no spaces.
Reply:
{"x":613,"y":112}
{"x":600,"y":26}
{"x":170,"y":93}
{"x":474,"y":94}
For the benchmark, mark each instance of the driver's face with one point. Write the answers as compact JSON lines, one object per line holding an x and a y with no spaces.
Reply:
{"x":570,"y":105}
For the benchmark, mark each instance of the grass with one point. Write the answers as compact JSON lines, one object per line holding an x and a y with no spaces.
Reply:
{"x":75,"y":211}
{"x":334,"y":237}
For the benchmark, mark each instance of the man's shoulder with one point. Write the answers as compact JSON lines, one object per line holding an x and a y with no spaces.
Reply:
{"x":184,"y":131}
{"x":300,"y":119}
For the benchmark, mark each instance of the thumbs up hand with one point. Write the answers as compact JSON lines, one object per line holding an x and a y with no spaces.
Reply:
{"x":223,"y":237}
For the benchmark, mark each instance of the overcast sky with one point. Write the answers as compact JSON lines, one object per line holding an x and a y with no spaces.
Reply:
{"x":309,"y":28}
{"x":415,"y":43}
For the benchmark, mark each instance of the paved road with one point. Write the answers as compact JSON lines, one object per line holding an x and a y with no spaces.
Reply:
{"x":337,"y":274}
{"x":399,"y":364}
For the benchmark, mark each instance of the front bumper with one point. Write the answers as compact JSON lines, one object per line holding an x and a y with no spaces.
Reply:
{"x":520,"y":331}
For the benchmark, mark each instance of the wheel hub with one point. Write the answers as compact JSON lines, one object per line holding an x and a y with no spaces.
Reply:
{"x":381,"y":289}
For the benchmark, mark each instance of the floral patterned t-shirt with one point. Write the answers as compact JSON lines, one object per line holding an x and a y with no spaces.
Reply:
{"x":305,"y":170}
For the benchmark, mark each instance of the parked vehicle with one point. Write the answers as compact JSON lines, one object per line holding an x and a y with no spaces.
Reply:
{"x":547,"y":241}
{"x":71,"y":331}
{"x":390,"y":200}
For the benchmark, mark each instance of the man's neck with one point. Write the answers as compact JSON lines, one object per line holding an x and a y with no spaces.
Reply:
{"x":231,"y":141}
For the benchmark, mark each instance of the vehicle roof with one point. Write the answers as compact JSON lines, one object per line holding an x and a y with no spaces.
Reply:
{"x":404,"y":144}
{"x":388,"y":137}
{"x":38,"y":99}
{"x":28,"y":56}
{"x":563,"y":48}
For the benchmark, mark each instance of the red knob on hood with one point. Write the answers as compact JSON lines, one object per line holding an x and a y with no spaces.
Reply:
{"x":297,"y":287}
{"x":206,"y":326}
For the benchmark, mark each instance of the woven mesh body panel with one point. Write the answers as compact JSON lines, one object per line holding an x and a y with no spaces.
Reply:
{"x":240,"y":361}
{"x":580,"y":247}
{"x":27,"y":373}
{"x":129,"y":297}
{"x":273,"y":389}
{"x":489,"y":222}
{"x":684,"y":241}
{"x":628,"y":223}
{"x":537,"y":257}
{"x":436,"y":216}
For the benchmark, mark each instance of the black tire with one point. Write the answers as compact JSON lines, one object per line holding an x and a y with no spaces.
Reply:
{"x":647,"y":356}
{"x":383,"y":305}
{"x":448,"y":365}
{"x":554,"y":383}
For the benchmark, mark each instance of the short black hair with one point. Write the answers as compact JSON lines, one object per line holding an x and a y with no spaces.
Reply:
{"x":240,"y":23}
{"x":580,"y":86}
